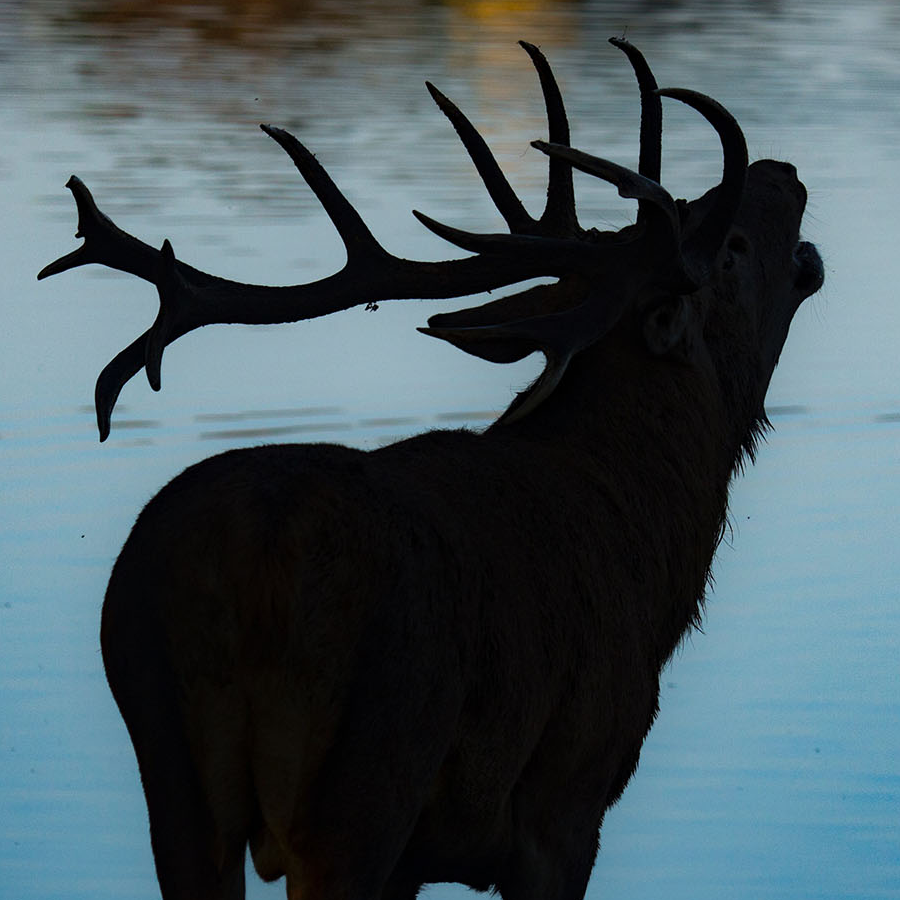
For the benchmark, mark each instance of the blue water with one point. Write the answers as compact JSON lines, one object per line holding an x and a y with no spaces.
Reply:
{"x":773,"y":769}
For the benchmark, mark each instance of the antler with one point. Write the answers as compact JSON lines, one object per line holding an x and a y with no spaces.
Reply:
{"x":703,"y":243}
{"x":686,"y":264}
{"x":554,"y":244}
{"x":650,"y":160}
{"x":190,"y":298}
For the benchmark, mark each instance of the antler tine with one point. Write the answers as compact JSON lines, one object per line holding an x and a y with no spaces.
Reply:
{"x":358,"y":239}
{"x":491,"y":343}
{"x":559,"y":336}
{"x":551,"y":333}
{"x":115,"y":375}
{"x":555,"y":368}
{"x":177,"y":301}
{"x":558,"y":255}
{"x":173,"y":312}
{"x":703,"y":244}
{"x":103,"y":243}
{"x":504,"y":197}
{"x":631,"y":185}
{"x":559,"y":215}
{"x":650,"y":160}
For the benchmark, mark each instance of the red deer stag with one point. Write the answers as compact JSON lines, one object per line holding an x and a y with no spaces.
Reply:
{"x":437,"y":661}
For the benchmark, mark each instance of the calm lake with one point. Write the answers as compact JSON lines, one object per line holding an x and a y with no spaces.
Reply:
{"x":774,"y":768}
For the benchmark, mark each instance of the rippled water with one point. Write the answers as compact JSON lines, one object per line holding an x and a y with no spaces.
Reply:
{"x":773,"y":770}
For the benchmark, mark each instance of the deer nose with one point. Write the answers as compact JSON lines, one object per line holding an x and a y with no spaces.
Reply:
{"x":783,"y":175}
{"x":789,"y":169}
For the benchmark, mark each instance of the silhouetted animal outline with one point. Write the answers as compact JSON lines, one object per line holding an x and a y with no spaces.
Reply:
{"x":438,"y":661}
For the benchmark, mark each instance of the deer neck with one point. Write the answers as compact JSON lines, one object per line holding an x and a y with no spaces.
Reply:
{"x":648,"y":442}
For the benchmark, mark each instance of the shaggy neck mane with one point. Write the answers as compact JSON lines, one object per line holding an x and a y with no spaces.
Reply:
{"x":646,"y":435}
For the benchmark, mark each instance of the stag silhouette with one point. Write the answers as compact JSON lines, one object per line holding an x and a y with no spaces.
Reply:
{"x":438,"y":661}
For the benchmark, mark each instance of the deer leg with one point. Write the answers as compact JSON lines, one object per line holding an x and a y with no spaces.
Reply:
{"x":181,"y":830}
{"x":396,"y":726}
{"x":194,"y":859}
{"x":558,"y":874}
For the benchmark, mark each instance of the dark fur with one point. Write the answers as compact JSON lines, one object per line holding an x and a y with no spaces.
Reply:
{"x":438,"y":661}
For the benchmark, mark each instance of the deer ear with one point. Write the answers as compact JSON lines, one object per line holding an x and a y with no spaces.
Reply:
{"x":665,"y":324}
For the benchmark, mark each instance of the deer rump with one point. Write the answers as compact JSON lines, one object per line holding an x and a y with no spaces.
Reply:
{"x":437,"y":661}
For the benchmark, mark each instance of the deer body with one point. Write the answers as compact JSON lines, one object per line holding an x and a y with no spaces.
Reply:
{"x":481,"y":618}
{"x":438,"y":661}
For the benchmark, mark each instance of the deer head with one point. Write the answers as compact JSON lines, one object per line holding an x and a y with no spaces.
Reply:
{"x":438,"y":660}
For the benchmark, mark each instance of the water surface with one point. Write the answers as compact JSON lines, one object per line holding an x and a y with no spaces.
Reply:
{"x":772,"y":771}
